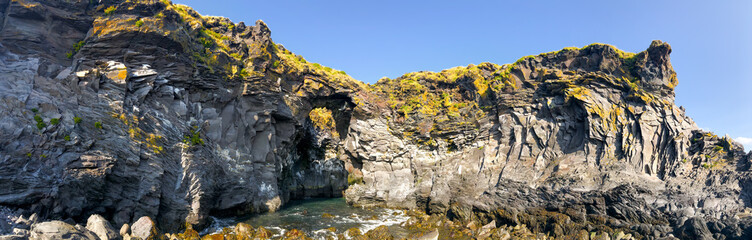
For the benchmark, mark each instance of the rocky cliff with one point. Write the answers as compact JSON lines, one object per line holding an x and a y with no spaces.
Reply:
{"x":574,"y":139}
{"x":146,"y":108}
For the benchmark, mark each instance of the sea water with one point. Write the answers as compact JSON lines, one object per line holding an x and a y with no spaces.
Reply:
{"x":316,"y":216}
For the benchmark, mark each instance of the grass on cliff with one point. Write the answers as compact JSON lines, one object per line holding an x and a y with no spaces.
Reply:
{"x":76,"y":48}
{"x":194,"y":137}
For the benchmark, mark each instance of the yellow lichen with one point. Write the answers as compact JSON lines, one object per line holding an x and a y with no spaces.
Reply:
{"x":577,"y":92}
{"x":322,"y":119}
{"x":122,"y":74}
{"x":151,"y":141}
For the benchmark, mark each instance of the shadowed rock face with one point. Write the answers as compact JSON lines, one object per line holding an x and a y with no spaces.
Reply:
{"x":145,"y":108}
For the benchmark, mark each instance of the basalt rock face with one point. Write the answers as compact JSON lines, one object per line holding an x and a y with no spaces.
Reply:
{"x":576,"y":139}
{"x":145,"y":108}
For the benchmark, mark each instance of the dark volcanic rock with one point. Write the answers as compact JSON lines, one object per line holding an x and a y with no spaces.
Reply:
{"x":158,"y":112}
{"x":575,"y":139}
{"x":132,"y":109}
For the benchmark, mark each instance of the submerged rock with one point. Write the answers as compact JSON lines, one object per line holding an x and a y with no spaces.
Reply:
{"x":295,"y":234}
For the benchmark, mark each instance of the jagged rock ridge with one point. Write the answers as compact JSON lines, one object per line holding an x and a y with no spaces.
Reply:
{"x":145,"y":108}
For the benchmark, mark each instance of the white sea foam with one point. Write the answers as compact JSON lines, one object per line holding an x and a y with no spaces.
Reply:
{"x":279,"y":231}
{"x":387,"y":218}
{"x":217,"y":225}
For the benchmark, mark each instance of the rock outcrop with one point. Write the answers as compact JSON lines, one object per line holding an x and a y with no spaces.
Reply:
{"x":102,"y":228}
{"x":575,"y":139}
{"x":591,"y":132}
{"x":147,"y":110}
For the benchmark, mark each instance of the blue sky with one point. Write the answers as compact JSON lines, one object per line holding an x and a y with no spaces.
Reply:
{"x":711,"y":40}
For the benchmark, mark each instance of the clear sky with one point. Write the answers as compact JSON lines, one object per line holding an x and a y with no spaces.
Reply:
{"x":711,"y":40}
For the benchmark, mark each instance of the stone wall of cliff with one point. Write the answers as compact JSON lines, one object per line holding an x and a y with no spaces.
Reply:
{"x":145,"y":108}
{"x":551,"y":133}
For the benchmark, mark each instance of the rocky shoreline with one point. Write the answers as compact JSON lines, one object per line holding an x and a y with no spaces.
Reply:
{"x":418,"y":226}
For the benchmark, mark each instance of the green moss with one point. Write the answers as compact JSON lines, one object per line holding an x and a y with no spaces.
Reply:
{"x":28,"y":154}
{"x":34,"y":110}
{"x":139,"y":23}
{"x":405,"y":109}
{"x":352,"y":180}
{"x":275,"y":64}
{"x":55,"y":121}
{"x":206,"y":42}
{"x":194,"y":138}
{"x":522,"y":59}
{"x":566,"y":49}
{"x":40,"y":122}
{"x":98,"y":125}
{"x":108,"y":11}
{"x":621,"y":54}
{"x":67,"y":138}
{"x":76,"y":48}
{"x":76,"y":120}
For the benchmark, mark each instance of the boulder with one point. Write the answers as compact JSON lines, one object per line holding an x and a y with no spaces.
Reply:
{"x":125,"y":229}
{"x":57,"y":230}
{"x":144,"y":228}
{"x":432,"y":235}
{"x":244,"y":230}
{"x":13,"y":237}
{"x":694,"y":228}
{"x":101,"y":227}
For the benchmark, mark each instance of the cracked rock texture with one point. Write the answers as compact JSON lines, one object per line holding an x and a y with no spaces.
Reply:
{"x":132,"y":109}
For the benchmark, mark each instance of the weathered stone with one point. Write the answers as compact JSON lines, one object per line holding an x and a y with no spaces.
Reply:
{"x":101,"y":227}
{"x":432,"y":235}
{"x":694,"y":228}
{"x":125,"y":229}
{"x":244,"y":230}
{"x":13,"y":237}
{"x":59,"y":230}
{"x":263,"y":233}
{"x":144,"y":228}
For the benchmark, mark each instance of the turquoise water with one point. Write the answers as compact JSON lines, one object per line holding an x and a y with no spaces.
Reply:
{"x":307,"y":215}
